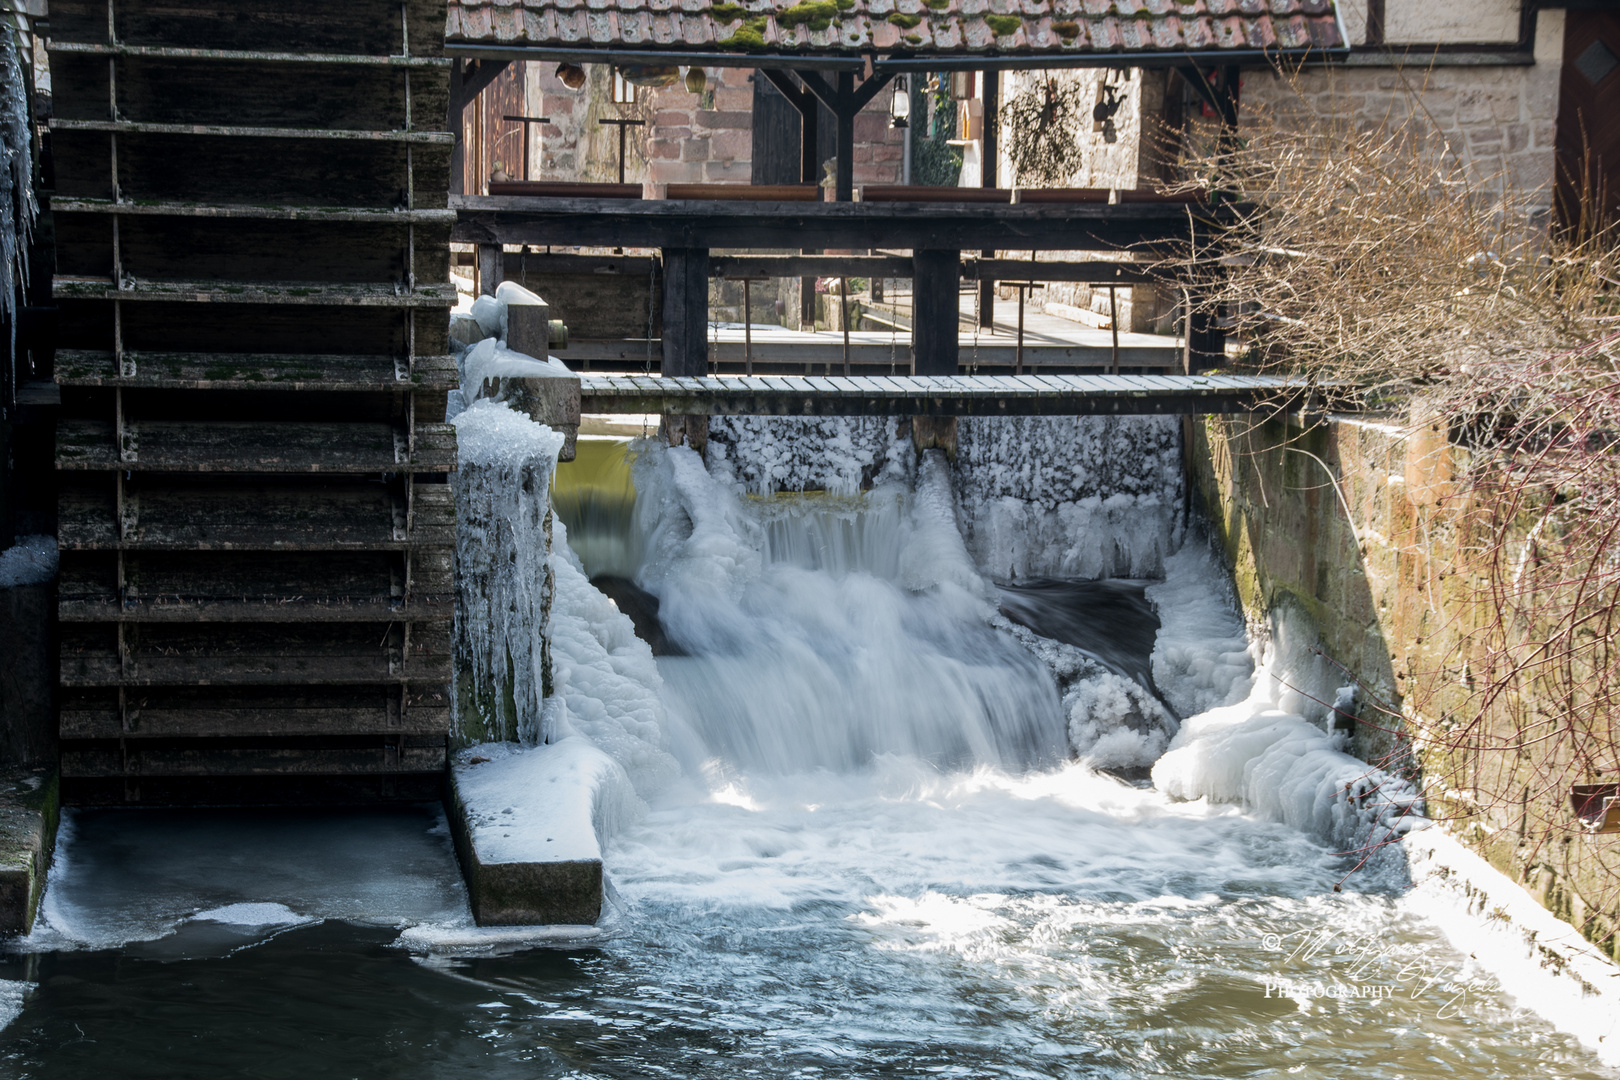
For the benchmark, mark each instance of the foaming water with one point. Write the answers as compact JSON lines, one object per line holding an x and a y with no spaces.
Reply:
{"x":879,"y":861}
{"x":826,"y":658}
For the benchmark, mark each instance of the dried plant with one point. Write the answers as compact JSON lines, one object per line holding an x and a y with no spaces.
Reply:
{"x":1381,"y":258}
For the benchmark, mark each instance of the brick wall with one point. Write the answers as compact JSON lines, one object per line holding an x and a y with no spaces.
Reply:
{"x":688,"y":138}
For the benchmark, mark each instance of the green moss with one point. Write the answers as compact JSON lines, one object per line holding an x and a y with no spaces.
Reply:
{"x":844,"y":5}
{"x":1003,"y":24}
{"x":815,"y":14}
{"x":936,"y":5}
{"x":913,"y":39}
{"x":1068,"y":31}
{"x":746,"y":38}
{"x":905,"y":22}
{"x":727,"y":12}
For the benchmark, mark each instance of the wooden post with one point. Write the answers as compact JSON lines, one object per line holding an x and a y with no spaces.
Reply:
{"x":748,"y":333}
{"x":843,"y":317}
{"x":686,"y":311}
{"x":846,"y":137}
{"x":936,"y":279}
{"x":987,"y":179}
{"x":1113,"y":324}
{"x":490,"y":268}
{"x":809,"y":173}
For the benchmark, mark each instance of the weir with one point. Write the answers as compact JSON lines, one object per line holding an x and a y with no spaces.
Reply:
{"x":408,"y":667}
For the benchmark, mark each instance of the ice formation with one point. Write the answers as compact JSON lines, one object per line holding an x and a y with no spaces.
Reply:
{"x":502,"y":492}
{"x":1265,"y":753}
{"x":478,"y":336}
{"x":18,"y":208}
{"x":1201,"y":656}
{"x":1069,"y":496}
{"x":562,"y":700}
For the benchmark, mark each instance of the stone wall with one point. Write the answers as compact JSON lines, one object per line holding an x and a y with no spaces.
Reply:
{"x":1363,"y":528}
{"x":1500,"y":118}
{"x":689,"y":138}
{"x":1133,"y":159}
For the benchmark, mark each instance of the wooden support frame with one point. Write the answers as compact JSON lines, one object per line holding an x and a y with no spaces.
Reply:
{"x":936,"y":277}
{"x":843,"y":99}
{"x":686,"y":311}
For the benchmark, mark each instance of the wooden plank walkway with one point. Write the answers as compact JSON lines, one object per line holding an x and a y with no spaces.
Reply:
{"x":911,"y":395}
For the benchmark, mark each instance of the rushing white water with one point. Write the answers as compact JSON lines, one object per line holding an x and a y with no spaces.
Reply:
{"x":881,"y":853}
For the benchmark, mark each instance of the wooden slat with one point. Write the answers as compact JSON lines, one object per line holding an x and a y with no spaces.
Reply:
{"x":250,"y":720}
{"x":242,"y":56}
{"x":248,"y":371}
{"x":322,"y":214}
{"x":313,"y":610}
{"x":255,"y":517}
{"x":128,"y":127}
{"x":239,"y":446}
{"x":205,"y":760}
{"x":263,"y":292}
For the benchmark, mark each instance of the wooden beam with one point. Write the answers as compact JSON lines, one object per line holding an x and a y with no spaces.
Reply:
{"x":936,"y":276}
{"x":686,"y":311}
{"x":813,"y":266}
{"x":987,"y":179}
{"x":1094,"y":272}
{"x":654,"y":223}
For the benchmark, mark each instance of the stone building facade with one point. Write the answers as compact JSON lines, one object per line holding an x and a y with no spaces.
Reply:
{"x":706,"y":137}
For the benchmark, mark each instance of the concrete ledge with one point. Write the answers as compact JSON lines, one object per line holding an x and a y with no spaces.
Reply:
{"x":523,"y":823}
{"x":29,"y":812}
{"x":1538,"y":958}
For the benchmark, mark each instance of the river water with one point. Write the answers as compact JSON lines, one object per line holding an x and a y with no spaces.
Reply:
{"x":877,"y":858}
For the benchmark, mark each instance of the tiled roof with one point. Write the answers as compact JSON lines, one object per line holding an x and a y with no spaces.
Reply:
{"x":928,"y":27}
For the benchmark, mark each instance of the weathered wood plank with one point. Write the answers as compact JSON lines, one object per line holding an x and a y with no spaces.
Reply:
{"x":322,"y":609}
{"x":251,"y":92}
{"x":366,"y":26}
{"x":131,"y":127}
{"x":337,"y":294}
{"x":263,"y":371}
{"x":251,"y":515}
{"x":919,"y":226}
{"x":322,"y":214}
{"x":236,"y":446}
{"x":208,"y":760}
{"x":247,"y":721}
{"x":271,"y":172}
{"x":240,"y":56}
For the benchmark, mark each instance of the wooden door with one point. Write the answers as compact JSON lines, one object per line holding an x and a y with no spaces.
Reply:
{"x":1588,"y":147}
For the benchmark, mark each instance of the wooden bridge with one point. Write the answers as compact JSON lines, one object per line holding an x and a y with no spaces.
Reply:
{"x":938,"y":395}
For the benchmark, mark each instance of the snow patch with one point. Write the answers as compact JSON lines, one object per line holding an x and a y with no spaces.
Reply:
{"x":31,"y":560}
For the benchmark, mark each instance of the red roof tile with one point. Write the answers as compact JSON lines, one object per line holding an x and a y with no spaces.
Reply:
{"x":957,"y":27}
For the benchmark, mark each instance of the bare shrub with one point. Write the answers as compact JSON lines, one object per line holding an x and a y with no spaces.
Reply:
{"x":1376,"y":256}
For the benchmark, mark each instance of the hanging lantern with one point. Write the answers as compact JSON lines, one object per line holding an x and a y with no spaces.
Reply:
{"x":571,"y":75}
{"x":900,"y":104}
{"x":697,"y":80}
{"x":623,"y":92}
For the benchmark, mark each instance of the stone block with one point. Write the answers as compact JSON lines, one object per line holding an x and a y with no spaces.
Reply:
{"x":731,"y":146}
{"x":696,"y":149}
{"x":724,"y":119}
{"x":28,"y":818}
{"x":511,"y":887}
{"x":727,"y":172}
{"x":675,"y":172}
